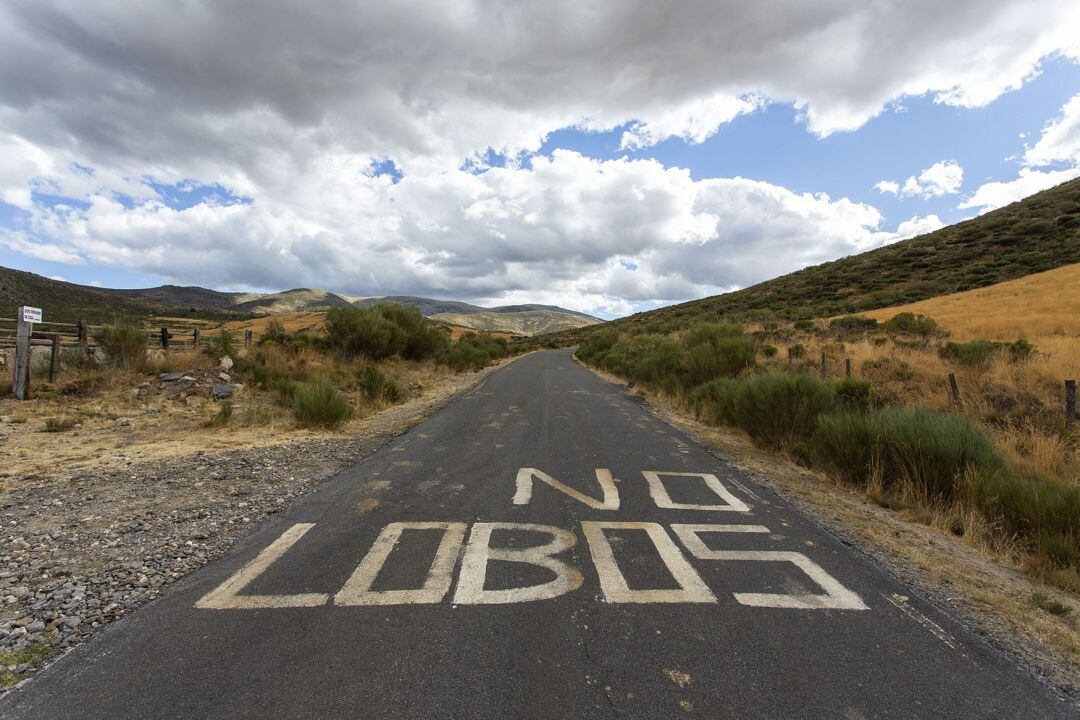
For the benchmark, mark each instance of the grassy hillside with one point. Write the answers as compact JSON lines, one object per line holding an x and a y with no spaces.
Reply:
{"x":1039,"y":307}
{"x":526,"y":322}
{"x":290,"y":301}
{"x":1039,"y":233}
{"x":67,"y":302}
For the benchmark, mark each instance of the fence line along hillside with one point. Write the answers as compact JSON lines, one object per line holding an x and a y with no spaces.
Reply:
{"x":171,"y":335}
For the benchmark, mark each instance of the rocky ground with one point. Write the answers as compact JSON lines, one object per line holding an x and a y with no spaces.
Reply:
{"x":80,"y":551}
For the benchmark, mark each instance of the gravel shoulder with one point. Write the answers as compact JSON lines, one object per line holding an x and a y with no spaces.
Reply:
{"x":984,"y":593}
{"x":81,"y":550}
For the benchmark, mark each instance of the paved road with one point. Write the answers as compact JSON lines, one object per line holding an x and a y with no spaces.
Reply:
{"x":522,"y":599}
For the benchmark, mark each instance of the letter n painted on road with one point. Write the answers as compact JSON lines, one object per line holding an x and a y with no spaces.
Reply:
{"x":523,"y":493}
{"x":357,"y":590}
{"x":478,"y":553}
{"x":227,"y":595}
{"x":692,"y":589}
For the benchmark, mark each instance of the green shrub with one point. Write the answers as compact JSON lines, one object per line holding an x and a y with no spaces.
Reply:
{"x":383,"y":331}
{"x":853,"y":325}
{"x":53,"y":425}
{"x":855,"y":394}
{"x":364,"y":331}
{"x":124,"y":345}
{"x":596,"y":345}
{"x":886,"y":368}
{"x":931,"y":451}
{"x":769,"y":351}
{"x":319,"y":404}
{"x":846,"y":444}
{"x":725,"y":357}
{"x":1019,"y":351}
{"x":976,"y":353}
{"x":221,"y":344}
{"x":1046,"y":513}
{"x":796,"y":351}
{"x":473,"y":351}
{"x":711,"y":333}
{"x":462,"y":357}
{"x":776,"y":409}
{"x":804,"y":325}
{"x":658,"y":361}
{"x":274,"y":334}
{"x":285,"y":388}
{"x":378,"y":387}
{"x":253,"y":371}
{"x":422,"y":339}
{"x":912,"y":324}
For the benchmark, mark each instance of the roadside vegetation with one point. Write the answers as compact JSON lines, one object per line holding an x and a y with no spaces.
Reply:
{"x":365,"y":360}
{"x":998,"y":467}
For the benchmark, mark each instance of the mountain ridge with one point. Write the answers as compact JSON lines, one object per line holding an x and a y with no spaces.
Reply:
{"x":65,"y":302}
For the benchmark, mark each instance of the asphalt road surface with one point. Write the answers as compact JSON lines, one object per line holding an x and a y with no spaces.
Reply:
{"x":541,"y":548}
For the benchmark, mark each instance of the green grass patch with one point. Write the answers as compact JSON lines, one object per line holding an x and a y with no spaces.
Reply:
{"x":319,"y":404}
{"x":32,"y":655}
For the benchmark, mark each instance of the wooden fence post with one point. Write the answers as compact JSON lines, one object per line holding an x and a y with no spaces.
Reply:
{"x":81,"y":332}
{"x":197,"y":339}
{"x":954,"y":388}
{"x":1070,"y":403}
{"x":847,"y":366}
{"x":823,"y":366}
{"x":249,"y":336}
{"x":165,"y":338}
{"x":20,"y":381}
{"x":54,"y":358}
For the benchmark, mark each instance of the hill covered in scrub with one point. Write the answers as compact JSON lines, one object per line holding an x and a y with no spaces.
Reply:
{"x":1034,"y":235}
{"x":66,"y":302}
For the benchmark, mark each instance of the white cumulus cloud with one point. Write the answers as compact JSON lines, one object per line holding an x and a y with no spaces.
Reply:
{"x":1060,"y":139}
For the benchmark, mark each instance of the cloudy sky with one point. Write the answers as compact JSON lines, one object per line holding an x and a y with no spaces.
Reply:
{"x":609,"y":156}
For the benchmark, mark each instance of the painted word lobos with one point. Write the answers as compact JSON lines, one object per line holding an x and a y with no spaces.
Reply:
{"x":478,"y":552}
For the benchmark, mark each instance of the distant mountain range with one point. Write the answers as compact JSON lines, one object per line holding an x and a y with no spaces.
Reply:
{"x":65,"y":302}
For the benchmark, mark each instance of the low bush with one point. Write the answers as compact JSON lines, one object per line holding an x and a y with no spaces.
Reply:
{"x":319,"y":404}
{"x":221,"y":345}
{"x":847,"y":445}
{"x":124,"y":346}
{"x":364,"y":331}
{"x":776,"y":409}
{"x":855,"y":393}
{"x":285,"y":389}
{"x":473,"y":351}
{"x":377,"y":387}
{"x":384,"y":331}
{"x":61,"y":424}
{"x":769,"y":351}
{"x":912,"y":324}
{"x":930,"y":452}
{"x":976,"y":353}
{"x":852,"y":325}
{"x":253,"y":371}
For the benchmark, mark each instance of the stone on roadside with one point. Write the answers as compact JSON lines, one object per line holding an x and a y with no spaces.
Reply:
{"x":220,"y":392}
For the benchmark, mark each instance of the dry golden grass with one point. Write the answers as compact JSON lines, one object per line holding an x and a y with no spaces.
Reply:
{"x":1044,"y":305}
{"x":309,"y":322}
